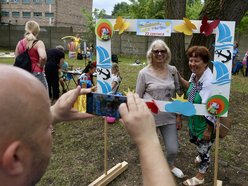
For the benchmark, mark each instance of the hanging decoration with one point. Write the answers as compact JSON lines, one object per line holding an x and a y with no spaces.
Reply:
{"x":187,"y":27}
{"x":206,"y":27}
{"x":121,"y":25}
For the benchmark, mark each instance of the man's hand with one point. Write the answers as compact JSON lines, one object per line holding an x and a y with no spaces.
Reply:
{"x":63,"y":109}
{"x":138,"y":120}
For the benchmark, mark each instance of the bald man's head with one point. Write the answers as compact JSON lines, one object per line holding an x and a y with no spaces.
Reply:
{"x":24,"y":101}
{"x":25,"y":118}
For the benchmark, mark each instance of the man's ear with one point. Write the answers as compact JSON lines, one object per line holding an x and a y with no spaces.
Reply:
{"x":11,"y":160}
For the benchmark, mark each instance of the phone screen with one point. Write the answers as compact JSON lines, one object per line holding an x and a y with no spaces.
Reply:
{"x":104,"y":104}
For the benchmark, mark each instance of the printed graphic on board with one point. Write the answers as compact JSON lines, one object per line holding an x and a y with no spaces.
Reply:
{"x":226,"y":55}
{"x":149,"y":27}
{"x":217,"y":105}
{"x":104,"y":30}
{"x":103,"y":69}
{"x":181,"y":105}
{"x":222,"y":73}
{"x":224,"y":33}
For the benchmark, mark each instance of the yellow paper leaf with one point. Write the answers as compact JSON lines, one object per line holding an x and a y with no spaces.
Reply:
{"x":186,"y":27}
{"x":121,"y":25}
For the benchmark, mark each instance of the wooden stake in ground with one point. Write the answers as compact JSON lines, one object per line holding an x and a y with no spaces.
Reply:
{"x":217,"y":139}
{"x":105,"y":146}
{"x":109,"y":175}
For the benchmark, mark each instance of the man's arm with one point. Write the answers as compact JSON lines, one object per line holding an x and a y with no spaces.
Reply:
{"x":140,"y":125}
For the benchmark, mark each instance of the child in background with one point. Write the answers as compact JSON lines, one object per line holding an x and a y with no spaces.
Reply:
{"x":87,"y":76}
{"x":63,"y":76}
{"x":116,"y":78}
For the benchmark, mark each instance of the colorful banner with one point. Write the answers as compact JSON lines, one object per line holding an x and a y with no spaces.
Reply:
{"x":149,"y":27}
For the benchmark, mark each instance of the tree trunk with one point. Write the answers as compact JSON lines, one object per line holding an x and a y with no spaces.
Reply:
{"x":176,"y":9}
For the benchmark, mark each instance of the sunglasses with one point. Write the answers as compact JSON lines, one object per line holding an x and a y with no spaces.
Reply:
{"x":159,"y":51}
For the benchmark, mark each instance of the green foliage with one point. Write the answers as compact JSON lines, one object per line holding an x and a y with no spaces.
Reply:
{"x":153,"y":9}
{"x":147,"y":9}
{"x":98,"y":14}
{"x":90,"y":26}
{"x":121,"y":9}
{"x":90,"y":23}
{"x":193,"y":9}
{"x":243,"y":25}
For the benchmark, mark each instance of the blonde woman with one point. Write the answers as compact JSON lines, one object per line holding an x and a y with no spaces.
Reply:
{"x":116,"y":78}
{"x":159,"y":81}
{"x":37,"y":53}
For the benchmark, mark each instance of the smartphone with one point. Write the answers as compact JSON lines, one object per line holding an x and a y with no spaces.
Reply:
{"x":104,"y":104}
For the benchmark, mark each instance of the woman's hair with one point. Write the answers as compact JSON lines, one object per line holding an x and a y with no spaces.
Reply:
{"x":236,"y":44}
{"x":61,"y":48}
{"x":199,"y":51}
{"x":160,"y":43}
{"x":32,"y":30}
{"x":116,"y":68}
{"x":89,"y":66}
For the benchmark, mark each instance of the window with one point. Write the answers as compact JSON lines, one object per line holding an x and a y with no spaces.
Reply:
{"x":25,"y":1}
{"x":49,"y":1}
{"x":37,"y":1}
{"x":38,"y":14}
{"x":49,"y":14}
{"x":15,"y":14}
{"x":14,"y":1}
{"x":4,"y":1}
{"x":4,"y":14}
{"x":26,"y":14}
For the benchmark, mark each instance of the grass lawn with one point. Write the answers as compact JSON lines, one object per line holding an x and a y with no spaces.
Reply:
{"x":78,"y":151}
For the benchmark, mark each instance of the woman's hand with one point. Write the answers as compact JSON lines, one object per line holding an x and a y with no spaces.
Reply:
{"x":207,"y":134}
{"x":179,"y":122}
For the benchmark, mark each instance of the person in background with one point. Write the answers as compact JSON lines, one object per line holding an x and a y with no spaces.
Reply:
{"x":245,"y":64}
{"x":116,"y":78}
{"x":77,"y":41}
{"x":72,"y":49}
{"x":26,"y":134}
{"x":91,"y":50}
{"x":55,"y":59}
{"x":63,"y":75}
{"x":159,"y":81}
{"x":37,"y":53}
{"x":235,"y":54}
{"x":87,"y":75}
{"x":201,"y":128}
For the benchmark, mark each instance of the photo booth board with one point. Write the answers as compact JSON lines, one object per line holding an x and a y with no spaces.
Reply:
{"x":222,"y":62}
{"x":223,"y":50}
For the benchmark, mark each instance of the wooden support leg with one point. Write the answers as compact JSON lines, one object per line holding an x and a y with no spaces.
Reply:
{"x":217,"y":139}
{"x":110,"y":175}
{"x":105,"y":146}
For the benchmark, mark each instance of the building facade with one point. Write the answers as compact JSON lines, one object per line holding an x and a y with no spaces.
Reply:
{"x":65,"y":13}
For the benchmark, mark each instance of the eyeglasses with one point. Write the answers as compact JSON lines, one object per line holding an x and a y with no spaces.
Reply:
{"x":159,"y":51}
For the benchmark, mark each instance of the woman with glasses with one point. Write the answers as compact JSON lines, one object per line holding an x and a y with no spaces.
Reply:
{"x":159,"y":81}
